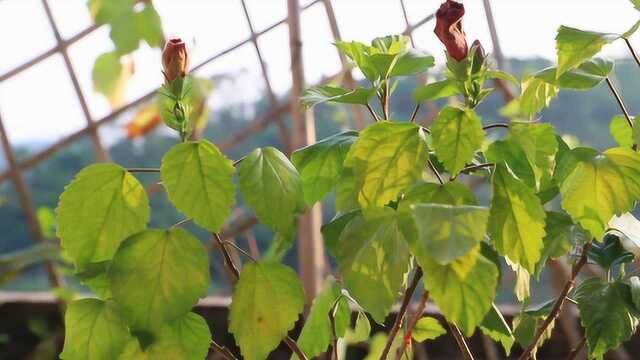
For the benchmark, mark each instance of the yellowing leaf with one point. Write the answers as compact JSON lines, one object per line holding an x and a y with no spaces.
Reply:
{"x":427,"y":328}
{"x":143,"y":122}
{"x":536,"y":95}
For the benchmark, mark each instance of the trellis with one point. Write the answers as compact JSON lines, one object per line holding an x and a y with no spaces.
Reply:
{"x":311,"y":253}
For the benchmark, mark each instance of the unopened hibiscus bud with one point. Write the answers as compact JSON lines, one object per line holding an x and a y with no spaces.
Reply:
{"x":449,"y":29}
{"x":175,"y":60}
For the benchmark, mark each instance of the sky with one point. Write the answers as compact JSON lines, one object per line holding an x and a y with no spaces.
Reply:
{"x":40,"y":104}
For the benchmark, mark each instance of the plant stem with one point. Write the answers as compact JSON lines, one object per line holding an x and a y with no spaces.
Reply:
{"x":435,"y":172}
{"x":223,"y":351}
{"x":294,"y":347}
{"x":373,"y":113}
{"x":632,"y":51}
{"x":555,"y":311}
{"x":334,"y":335}
{"x":143,"y":170}
{"x":181,"y":222}
{"x":462,"y":345}
{"x":415,"y":112}
{"x":574,"y":353}
{"x":412,"y":323}
{"x":477,"y":167}
{"x":496,"y":125}
{"x":623,"y":108}
{"x":401,"y":313}
{"x":236,"y":162}
{"x":385,"y":100}
{"x":243,"y":251}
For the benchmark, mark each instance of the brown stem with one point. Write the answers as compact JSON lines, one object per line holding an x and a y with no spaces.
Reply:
{"x":462,"y":344}
{"x":435,"y":172}
{"x":496,"y":125}
{"x":415,"y":112}
{"x":618,"y":98}
{"x":412,"y":323}
{"x":181,"y":222}
{"x":294,"y":347}
{"x":555,"y":311}
{"x":385,"y":100}
{"x":243,"y":251}
{"x":236,"y":162}
{"x":632,"y":51}
{"x":574,"y":353}
{"x":223,"y":351}
{"x":375,"y":116}
{"x":143,"y":170}
{"x":477,"y":167}
{"x":401,"y":313}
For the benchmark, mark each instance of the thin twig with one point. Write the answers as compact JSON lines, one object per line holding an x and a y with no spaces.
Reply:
{"x":412,"y":324}
{"x":555,"y":311}
{"x":462,"y":344}
{"x":334,"y":335}
{"x":633,"y":51}
{"x":496,"y":125}
{"x":223,"y":351}
{"x":415,"y":112}
{"x":143,"y":170}
{"x":243,"y":251}
{"x":181,"y":222}
{"x":227,"y":258}
{"x":385,"y":100}
{"x":616,"y":95}
{"x":236,"y":162}
{"x":375,"y":116}
{"x":294,"y":347}
{"x":471,"y":168}
{"x":435,"y":172}
{"x":574,"y":353}
{"x":401,"y":313}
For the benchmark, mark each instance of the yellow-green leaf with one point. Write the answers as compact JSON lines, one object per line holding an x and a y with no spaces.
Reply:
{"x":576,"y":46}
{"x":427,"y":328}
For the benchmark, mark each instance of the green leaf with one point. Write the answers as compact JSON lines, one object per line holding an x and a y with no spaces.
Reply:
{"x":427,"y":328}
{"x":447,"y":232}
{"x":522,"y":286}
{"x":101,"y":207}
{"x":436,"y":90}
{"x":199,"y":182}
{"x":562,"y":235}
{"x":497,"y":74}
{"x":634,"y":285}
{"x":516,"y":221}
{"x":536,"y":95}
{"x":187,"y":337}
{"x":158,"y":276}
{"x":95,"y":277}
{"x":317,"y":332}
{"x":373,"y":259}
{"x":410,"y":63}
{"x":378,"y":342}
{"x":271,"y":186}
{"x":510,"y":152}
{"x":359,"y":54}
{"x":584,"y":77}
{"x":124,"y":33}
{"x":609,"y":252}
{"x":266,"y":303}
{"x":495,"y":326}
{"x":538,"y":141}
{"x":636,"y":4}
{"x":450,"y":193}
{"x":321,"y":164}
{"x":457,"y":135}
{"x":621,"y":132}
{"x":604,"y":315}
{"x":325,"y":93}
{"x":332,"y":230}
{"x":576,"y":46}
{"x":106,"y":73}
{"x":387,"y":158}
{"x":525,"y":327}
{"x":627,"y":228}
{"x":463,"y":299}
{"x":94,"y":329}
{"x":149,"y":26}
{"x":106,"y":11}
{"x":600,"y":186}
{"x":362,"y":329}
{"x":627,"y":34}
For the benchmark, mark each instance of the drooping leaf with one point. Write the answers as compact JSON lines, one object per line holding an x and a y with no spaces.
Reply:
{"x":522,"y":284}
{"x":427,"y":328}
{"x":536,"y":95}
{"x":516,"y":221}
{"x":373,"y":259}
{"x":362,"y":328}
{"x":266,"y":303}
{"x":621,"y":132}
{"x":387,"y":158}
{"x":149,"y":26}
{"x":463,"y":298}
{"x":604,"y":315}
{"x":436,"y":90}
{"x":586,"y":76}
{"x":325,"y":93}
{"x":158,"y":276}
{"x":600,"y":186}
{"x":87,"y":322}
{"x":447,"y":232}
{"x":495,"y":326}
{"x":317,"y":332}
{"x":101,"y":207}
{"x":576,"y":46}
{"x":199,"y":182}
{"x":609,"y":252}
{"x":321,"y":164}
{"x":187,"y":337}
{"x":457,"y":135}
{"x":271,"y":186}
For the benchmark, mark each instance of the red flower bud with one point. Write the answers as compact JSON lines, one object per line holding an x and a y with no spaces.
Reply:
{"x":175,"y":59}
{"x":449,"y":29}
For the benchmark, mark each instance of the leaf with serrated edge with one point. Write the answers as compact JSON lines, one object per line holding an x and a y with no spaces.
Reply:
{"x":266,"y":303}
{"x":199,"y":182}
{"x":101,"y":207}
{"x":575,"y":46}
{"x":158,"y":276}
{"x":427,"y":328}
{"x":495,"y":326}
